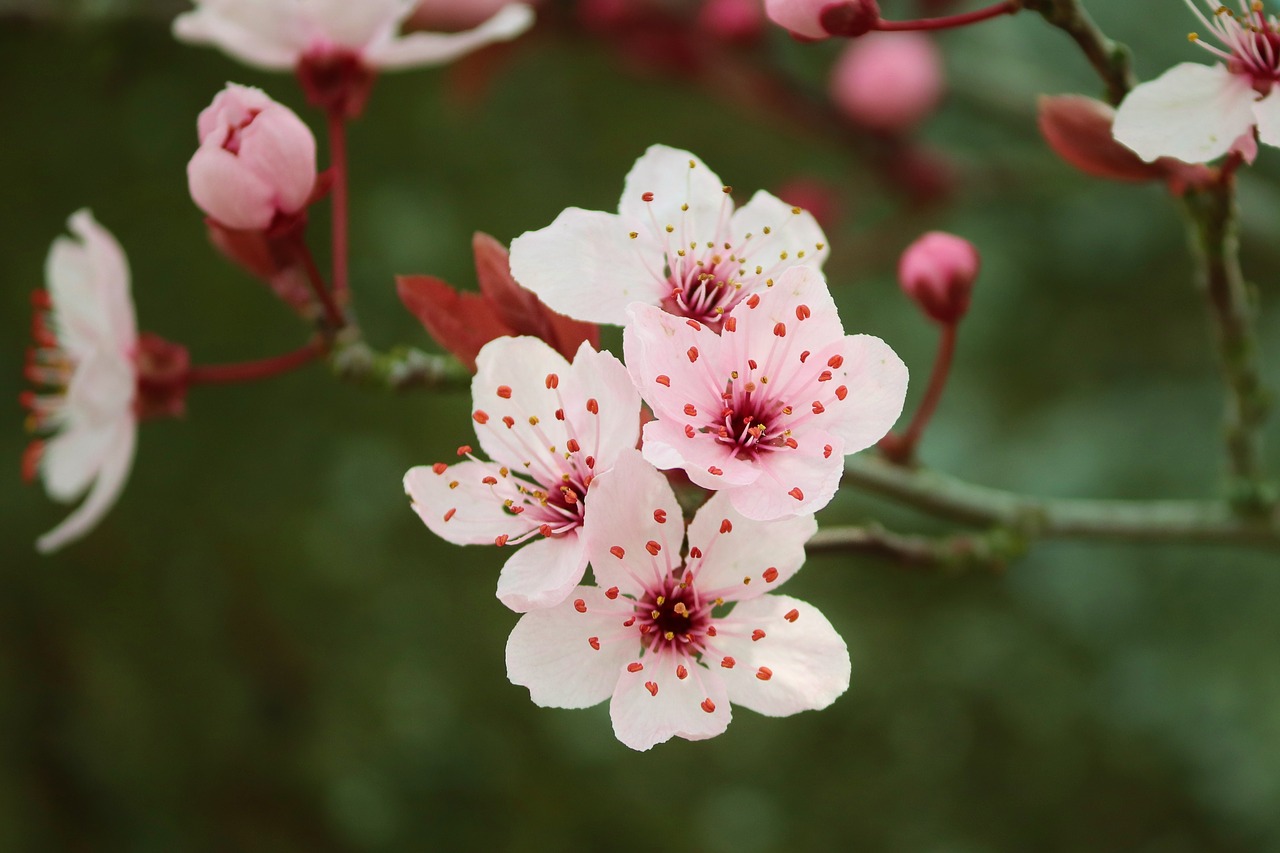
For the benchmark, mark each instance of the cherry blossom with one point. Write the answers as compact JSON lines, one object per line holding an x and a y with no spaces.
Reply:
{"x":279,"y":34}
{"x":549,"y":428}
{"x":676,"y":241}
{"x":767,"y":409}
{"x":85,"y":339}
{"x":653,"y":637}
{"x":1197,"y":113}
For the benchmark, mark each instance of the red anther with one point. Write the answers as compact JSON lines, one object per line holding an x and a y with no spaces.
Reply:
{"x":592,"y":406}
{"x":796,"y":493}
{"x":500,"y":540}
{"x":826,"y":451}
{"x":480,"y":416}
{"x":780,"y":329}
{"x":708,"y":706}
{"x":825,"y":376}
{"x":516,"y":510}
{"x":652,"y":547}
{"x":681,"y":672}
{"x":635,"y":667}
{"x":617,"y":551}
{"x":41,"y":301}
{"x":835,"y":362}
{"x":751,"y":362}
{"x":439,"y":468}
{"x":572,"y":445}
{"x":791,"y":442}
{"x":764,"y":673}
{"x":546,"y":530}
{"x":490,"y":480}
{"x":695,"y":553}
{"x":726,"y":526}
{"x":629,"y":622}
{"x":27,"y":399}
{"x":664,"y":381}
{"x":792,"y":615}
{"x":728,"y":663}
{"x":553,"y":381}
{"x":647,"y":197}
{"x":579,"y":605}
{"x":731,"y":324}
{"x":693,"y":354}
{"x":714,"y":471}
{"x":464,"y":450}
{"x":559,"y":414}
{"x":660,"y":516}
{"x":448,"y":515}
{"x":690,"y":410}
{"x":842,"y":392}
{"x":803,"y":312}
{"x":591,"y":461}
{"x":711,"y":630}
{"x":695,"y":325}
{"x":753,"y":300}
{"x":757,"y":635}
{"x":509,"y":421}
{"x":570,"y":496}
{"x":611,"y":593}
{"x":770,"y":574}
{"x":595,"y":642}
{"x":31,"y":459}
{"x":818,"y":408}
{"x":689,"y":431}
{"x":652,"y":687}
{"x":803,"y":356}
{"x":504,"y":391}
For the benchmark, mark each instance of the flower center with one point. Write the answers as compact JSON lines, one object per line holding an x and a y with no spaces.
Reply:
{"x":672,"y":616}
{"x":1250,"y":40}
{"x":703,"y":290}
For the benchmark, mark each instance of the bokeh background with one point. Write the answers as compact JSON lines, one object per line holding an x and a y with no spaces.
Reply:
{"x":262,"y":649}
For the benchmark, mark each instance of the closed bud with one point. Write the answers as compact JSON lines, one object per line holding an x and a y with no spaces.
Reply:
{"x":256,"y":161}
{"x":938,"y":271}
{"x":888,"y":82}
{"x":733,"y":21}
{"x":820,"y":19}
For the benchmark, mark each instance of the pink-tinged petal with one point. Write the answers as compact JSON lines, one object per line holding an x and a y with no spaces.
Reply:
{"x":628,"y":508}
{"x":586,"y":265}
{"x":797,"y":289}
{"x":226,"y":188}
{"x":1267,"y":113}
{"x":543,"y":573}
{"x":794,"y":482}
{"x":551,"y":651}
{"x":675,"y":178}
{"x":281,"y":149}
{"x":788,"y":656}
{"x":783,"y":236}
{"x":875,"y":383}
{"x":602,"y":406}
{"x":1191,"y":112}
{"x":73,"y":458}
{"x":426,"y":49}
{"x":735,"y":548}
{"x":264,"y":34}
{"x":355,"y":25}
{"x":653,"y":704}
{"x":519,"y":423}
{"x":111,"y":274}
{"x":458,"y":505}
{"x":673,"y":362}
{"x":709,"y":463}
{"x":106,"y":490}
{"x":88,"y":282}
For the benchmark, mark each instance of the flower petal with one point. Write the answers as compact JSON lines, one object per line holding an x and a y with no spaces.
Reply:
{"x":794,"y":482}
{"x":796,"y":290}
{"x":783,"y":236}
{"x":543,"y":573}
{"x":426,"y":49}
{"x":708,"y":463}
{"x":264,"y":34}
{"x":875,"y":383}
{"x":672,"y":363}
{"x":551,"y":653}
{"x":106,"y":490}
{"x":458,"y":506}
{"x":676,"y":178}
{"x":601,"y":405}
{"x":511,"y":382}
{"x":805,"y":662}
{"x":88,"y":282}
{"x":646,"y":715}
{"x":223,"y":185}
{"x":766,"y":552}
{"x":1191,"y":112}
{"x":1267,"y":113}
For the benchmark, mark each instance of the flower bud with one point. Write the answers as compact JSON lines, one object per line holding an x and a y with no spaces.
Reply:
{"x":256,"y":160}
{"x":732,"y":21}
{"x":820,"y":19}
{"x":938,"y":271}
{"x":888,"y":82}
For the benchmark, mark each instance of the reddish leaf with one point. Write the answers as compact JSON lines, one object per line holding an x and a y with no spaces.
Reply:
{"x":568,"y":334}
{"x":514,"y":305}
{"x":462,"y":323}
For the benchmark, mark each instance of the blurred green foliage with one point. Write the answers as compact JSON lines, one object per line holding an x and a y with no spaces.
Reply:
{"x":262,"y":649}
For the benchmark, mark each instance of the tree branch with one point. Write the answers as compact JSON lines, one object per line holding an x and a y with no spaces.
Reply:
{"x":400,"y":369}
{"x":1110,"y":59}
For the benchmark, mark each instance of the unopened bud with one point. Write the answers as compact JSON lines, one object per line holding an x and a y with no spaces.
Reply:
{"x":732,"y":21}
{"x":256,"y":160}
{"x":820,"y":19}
{"x":888,"y":82}
{"x":938,"y":271}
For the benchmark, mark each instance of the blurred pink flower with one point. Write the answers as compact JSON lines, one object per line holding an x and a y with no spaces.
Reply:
{"x":820,"y":19}
{"x":732,"y":21}
{"x":888,"y":82}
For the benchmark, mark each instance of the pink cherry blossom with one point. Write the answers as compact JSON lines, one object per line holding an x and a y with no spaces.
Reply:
{"x":653,"y":637}
{"x":85,"y":338}
{"x":767,"y":409}
{"x":1197,"y":113}
{"x":549,"y":428}
{"x":676,"y":241}
{"x":279,"y":34}
{"x":256,"y":160}
{"x":888,"y":82}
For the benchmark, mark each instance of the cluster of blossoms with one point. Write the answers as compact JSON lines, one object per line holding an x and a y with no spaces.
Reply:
{"x":754,"y":393}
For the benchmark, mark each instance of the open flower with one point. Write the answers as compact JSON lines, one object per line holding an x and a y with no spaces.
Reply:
{"x":653,"y":637}
{"x":767,"y":409}
{"x":85,"y":340}
{"x":549,"y":428}
{"x":676,"y":242}
{"x":1197,"y":113}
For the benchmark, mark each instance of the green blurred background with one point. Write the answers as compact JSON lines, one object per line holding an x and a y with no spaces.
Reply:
{"x":262,"y":649}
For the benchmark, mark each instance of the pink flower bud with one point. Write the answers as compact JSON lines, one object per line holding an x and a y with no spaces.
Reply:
{"x":820,"y":19}
{"x":888,"y":82}
{"x":256,"y":160}
{"x":938,"y":271}
{"x":734,"y":21}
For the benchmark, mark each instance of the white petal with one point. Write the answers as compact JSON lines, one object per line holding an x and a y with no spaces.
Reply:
{"x":356,"y":25}
{"x":1267,"y":113}
{"x":103,"y":495}
{"x":642,"y":718}
{"x":615,"y":426}
{"x":88,"y":282}
{"x":73,"y":458}
{"x":676,"y":178}
{"x":796,"y":289}
{"x":424,"y":49}
{"x":111,"y":274}
{"x":875,"y":382}
{"x":585,"y":265}
{"x":543,"y":572}
{"x":549,"y":651}
{"x":778,"y":230}
{"x":1191,"y":112}
{"x":811,"y":468}
{"x":746,"y":549}
{"x":807,"y":663}
{"x":511,"y":382}
{"x":264,"y":33}
{"x":468,"y":513}
{"x":709,"y":463}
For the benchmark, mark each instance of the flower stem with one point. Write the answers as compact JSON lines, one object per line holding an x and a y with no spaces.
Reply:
{"x":1110,"y":59}
{"x":400,"y":369}
{"x":338,"y":163}
{"x":331,"y":309}
{"x":902,"y":448}
{"x":248,"y":371}
{"x":950,"y":22}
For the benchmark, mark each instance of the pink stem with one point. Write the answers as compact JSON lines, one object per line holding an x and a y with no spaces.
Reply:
{"x":1008,"y":7}
{"x":331,"y":309}
{"x":338,"y":163}
{"x":248,"y":371}
{"x":902,"y":448}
